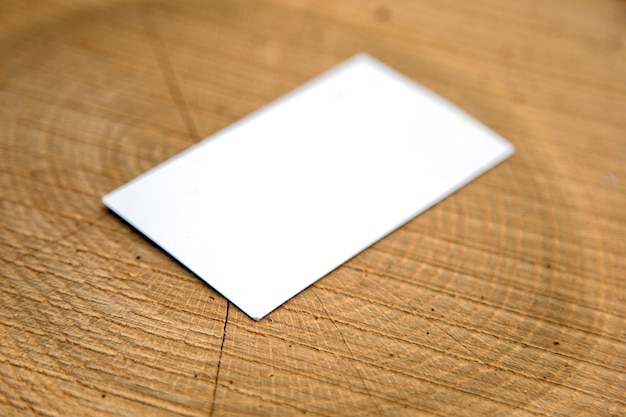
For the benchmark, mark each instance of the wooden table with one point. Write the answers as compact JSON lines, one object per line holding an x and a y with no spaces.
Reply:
{"x":508,"y":298}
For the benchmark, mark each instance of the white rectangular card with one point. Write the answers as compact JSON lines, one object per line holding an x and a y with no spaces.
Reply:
{"x":272,"y":203}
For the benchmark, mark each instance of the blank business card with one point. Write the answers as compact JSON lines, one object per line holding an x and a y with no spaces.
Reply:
{"x":269,"y":205}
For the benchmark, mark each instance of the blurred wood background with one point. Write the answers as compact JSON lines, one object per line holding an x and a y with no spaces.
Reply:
{"x":508,"y":298}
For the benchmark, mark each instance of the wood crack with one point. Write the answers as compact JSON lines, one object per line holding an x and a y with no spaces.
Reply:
{"x":219,"y":361}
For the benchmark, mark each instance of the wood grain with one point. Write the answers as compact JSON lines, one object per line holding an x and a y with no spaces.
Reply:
{"x":508,"y":298}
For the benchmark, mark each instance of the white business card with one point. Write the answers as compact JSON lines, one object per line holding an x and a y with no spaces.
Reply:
{"x":267,"y":206}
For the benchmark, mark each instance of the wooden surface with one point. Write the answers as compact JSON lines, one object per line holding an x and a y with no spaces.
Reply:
{"x":508,"y":298}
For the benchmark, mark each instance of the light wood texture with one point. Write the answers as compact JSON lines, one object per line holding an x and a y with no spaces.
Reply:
{"x":508,"y":298}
